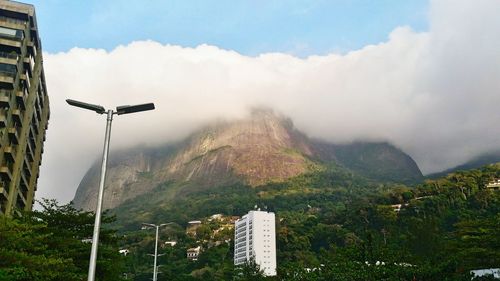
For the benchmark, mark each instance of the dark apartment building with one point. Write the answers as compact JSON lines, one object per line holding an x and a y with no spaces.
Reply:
{"x":24,"y":106}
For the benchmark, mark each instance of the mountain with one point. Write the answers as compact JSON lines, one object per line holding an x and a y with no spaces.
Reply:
{"x":475,"y":163}
{"x":376,"y":160}
{"x":262,"y":148}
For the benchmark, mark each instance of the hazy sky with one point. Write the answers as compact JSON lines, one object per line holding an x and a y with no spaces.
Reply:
{"x":422,"y":75}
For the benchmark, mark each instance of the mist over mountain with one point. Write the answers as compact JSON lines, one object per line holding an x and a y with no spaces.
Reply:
{"x":474,"y":163}
{"x":262,"y":148}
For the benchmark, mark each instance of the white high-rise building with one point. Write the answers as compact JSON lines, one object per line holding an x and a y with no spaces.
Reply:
{"x":255,"y":238}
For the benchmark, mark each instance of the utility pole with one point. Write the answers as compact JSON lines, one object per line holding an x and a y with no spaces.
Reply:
{"x":99,"y":109}
{"x":157,"y":227}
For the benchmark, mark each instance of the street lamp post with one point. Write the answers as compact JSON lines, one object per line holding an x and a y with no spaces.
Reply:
{"x":100,"y":110}
{"x":155,"y":270}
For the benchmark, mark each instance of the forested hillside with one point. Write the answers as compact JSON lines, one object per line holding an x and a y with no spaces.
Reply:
{"x":343,"y":226}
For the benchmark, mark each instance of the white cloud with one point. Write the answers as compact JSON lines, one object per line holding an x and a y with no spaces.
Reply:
{"x":435,"y":94}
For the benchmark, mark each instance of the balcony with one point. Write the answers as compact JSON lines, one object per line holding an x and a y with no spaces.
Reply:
{"x":28,"y":157}
{"x":9,"y":58}
{"x":29,"y":152}
{"x":4,"y":194}
{"x":7,"y":79}
{"x":21,"y":201}
{"x":5,"y":98}
{"x":5,"y":173}
{"x":29,"y":63}
{"x":21,"y":100}
{"x":11,"y":43}
{"x":26,"y":80}
{"x":12,"y":23}
{"x":32,"y":143}
{"x":27,"y":168}
{"x":39,"y":115}
{"x":17,"y":116}
{"x":35,"y":126}
{"x":32,"y":133}
{"x":38,"y":110}
{"x":27,"y":66}
{"x":9,"y":153}
{"x":31,"y":48}
{"x":24,"y":183}
{"x":13,"y":136}
{"x":41,"y":93}
{"x":35,"y":117}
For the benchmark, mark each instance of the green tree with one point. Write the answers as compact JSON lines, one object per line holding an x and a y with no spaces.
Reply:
{"x":51,"y":245}
{"x":249,"y":271}
{"x":25,"y":253}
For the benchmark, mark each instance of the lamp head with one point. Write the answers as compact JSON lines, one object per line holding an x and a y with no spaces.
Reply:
{"x":126,"y":109}
{"x":94,"y":107}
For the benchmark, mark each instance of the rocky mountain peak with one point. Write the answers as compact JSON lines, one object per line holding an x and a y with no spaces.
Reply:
{"x":261,"y":148}
{"x":255,"y":149}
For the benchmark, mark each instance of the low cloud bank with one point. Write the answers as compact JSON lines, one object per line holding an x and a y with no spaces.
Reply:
{"x":434,"y":94}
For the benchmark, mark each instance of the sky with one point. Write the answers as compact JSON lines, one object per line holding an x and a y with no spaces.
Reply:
{"x":422,"y":75}
{"x":301,"y":28}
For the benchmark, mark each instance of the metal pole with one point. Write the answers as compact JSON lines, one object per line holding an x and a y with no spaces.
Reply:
{"x":156,"y":254}
{"x":97,"y":224}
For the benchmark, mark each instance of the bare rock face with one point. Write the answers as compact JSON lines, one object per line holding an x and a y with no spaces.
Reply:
{"x":256,"y":150}
{"x":123,"y":174}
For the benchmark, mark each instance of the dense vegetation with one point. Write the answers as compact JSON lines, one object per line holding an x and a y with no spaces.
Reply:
{"x":341,"y":225}
{"x":331,"y":225}
{"x":51,"y":245}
